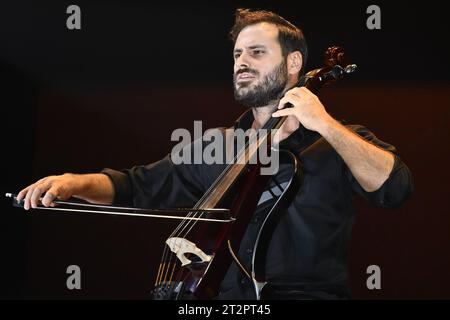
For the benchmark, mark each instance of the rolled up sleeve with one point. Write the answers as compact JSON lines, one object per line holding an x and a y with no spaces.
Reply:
{"x":395,"y":190}
{"x":398,"y":186}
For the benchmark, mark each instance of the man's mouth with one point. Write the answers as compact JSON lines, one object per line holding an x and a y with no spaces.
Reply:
{"x":245,"y":77}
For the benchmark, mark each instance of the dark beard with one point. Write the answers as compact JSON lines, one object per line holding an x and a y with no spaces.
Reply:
{"x":270,"y":88}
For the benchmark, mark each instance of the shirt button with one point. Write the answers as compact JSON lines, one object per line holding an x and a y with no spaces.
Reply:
{"x":249,"y":251}
{"x":243,"y":281}
{"x":255,"y":220}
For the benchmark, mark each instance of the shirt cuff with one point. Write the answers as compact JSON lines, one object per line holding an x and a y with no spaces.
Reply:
{"x":123,"y":194}
{"x":396,"y":189}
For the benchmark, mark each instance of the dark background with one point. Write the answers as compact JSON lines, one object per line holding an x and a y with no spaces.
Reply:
{"x":110,"y":94}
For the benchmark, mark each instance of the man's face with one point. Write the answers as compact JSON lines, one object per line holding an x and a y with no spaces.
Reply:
{"x":260,"y":71}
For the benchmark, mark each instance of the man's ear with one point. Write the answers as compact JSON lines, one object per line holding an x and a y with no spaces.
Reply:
{"x":294,"y":62}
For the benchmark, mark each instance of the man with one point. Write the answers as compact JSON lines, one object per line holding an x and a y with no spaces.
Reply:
{"x":309,"y":248}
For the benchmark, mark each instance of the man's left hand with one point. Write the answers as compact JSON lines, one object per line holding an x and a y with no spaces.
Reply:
{"x":307,"y":109}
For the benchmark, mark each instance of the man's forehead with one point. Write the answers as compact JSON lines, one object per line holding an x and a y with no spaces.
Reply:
{"x":257,"y":34}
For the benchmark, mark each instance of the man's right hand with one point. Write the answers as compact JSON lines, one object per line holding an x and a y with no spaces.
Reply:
{"x":96,"y":188}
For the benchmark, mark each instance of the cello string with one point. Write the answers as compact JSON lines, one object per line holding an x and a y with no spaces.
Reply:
{"x":165,"y":275}
{"x":157,"y":276}
{"x":173,"y":270}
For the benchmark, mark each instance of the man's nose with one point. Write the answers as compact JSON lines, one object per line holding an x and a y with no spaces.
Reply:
{"x":242,"y":62}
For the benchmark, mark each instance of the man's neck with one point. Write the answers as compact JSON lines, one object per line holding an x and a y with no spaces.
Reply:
{"x":262,"y":114}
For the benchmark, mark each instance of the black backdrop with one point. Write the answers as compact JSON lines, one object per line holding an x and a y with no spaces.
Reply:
{"x":110,"y":94}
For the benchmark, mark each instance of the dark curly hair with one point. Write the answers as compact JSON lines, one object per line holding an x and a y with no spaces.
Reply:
{"x":291,"y":38}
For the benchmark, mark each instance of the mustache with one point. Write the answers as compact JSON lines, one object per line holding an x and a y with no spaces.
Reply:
{"x":247,"y":70}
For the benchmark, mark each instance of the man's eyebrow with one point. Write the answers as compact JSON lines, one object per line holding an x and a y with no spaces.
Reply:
{"x":256,"y":46}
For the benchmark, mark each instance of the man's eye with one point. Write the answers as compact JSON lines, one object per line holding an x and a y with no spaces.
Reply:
{"x":258,"y":52}
{"x":236,"y":55}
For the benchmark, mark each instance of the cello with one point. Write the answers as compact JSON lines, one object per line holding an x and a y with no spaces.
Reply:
{"x":199,"y":251}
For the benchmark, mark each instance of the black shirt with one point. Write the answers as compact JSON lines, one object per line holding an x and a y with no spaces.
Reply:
{"x":308,"y":253}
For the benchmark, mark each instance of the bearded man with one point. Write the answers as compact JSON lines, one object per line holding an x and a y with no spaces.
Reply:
{"x":307,"y":256}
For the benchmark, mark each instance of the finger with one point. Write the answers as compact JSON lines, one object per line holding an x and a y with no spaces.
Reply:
{"x":293,"y":99}
{"x":283,"y":112}
{"x":283,"y":102}
{"x":26,"y":201}
{"x":22,"y":194}
{"x":37,"y":193}
{"x":50,"y":195}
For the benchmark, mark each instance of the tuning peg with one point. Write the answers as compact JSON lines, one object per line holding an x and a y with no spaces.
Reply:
{"x":350,"y":68}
